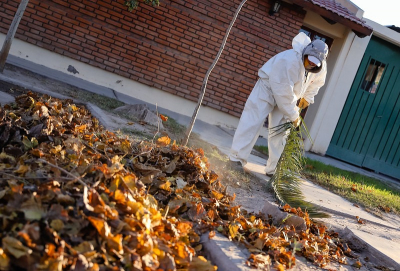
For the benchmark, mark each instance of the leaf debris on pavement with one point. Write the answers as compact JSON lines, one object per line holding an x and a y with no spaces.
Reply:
{"x":74,"y":196}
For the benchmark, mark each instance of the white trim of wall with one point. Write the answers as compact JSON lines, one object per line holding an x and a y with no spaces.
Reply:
{"x":384,"y":33}
{"x":118,"y":83}
{"x":337,"y":89}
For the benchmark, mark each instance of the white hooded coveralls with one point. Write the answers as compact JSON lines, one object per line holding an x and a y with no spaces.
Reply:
{"x":282,"y":81}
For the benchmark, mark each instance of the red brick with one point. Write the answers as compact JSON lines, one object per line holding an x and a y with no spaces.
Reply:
{"x":168,"y":48}
{"x":85,"y":55}
{"x":75,"y":46}
{"x":61,"y":2}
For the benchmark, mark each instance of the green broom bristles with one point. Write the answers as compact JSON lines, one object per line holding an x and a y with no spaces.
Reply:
{"x":286,"y":180}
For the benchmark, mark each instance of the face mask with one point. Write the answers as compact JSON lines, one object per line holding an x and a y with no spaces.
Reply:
{"x":308,"y":65}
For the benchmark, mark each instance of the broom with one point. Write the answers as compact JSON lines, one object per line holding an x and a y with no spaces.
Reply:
{"x":286,"y":180}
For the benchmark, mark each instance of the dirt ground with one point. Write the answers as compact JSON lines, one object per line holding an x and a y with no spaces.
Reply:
{"x":251,"y":192}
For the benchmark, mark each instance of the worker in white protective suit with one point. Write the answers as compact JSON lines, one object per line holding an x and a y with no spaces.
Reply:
{"x":291,"y":75}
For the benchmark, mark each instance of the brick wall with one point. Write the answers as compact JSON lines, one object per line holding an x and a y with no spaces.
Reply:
{"x":169,"y":47}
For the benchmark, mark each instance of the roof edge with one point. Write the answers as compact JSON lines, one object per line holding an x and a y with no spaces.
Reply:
{"x":360,"y":28}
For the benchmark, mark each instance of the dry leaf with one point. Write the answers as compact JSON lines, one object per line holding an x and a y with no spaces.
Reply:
{"x":100,"y":225}
{"x":201,"y":264}
{"x":164,"y":118}
{"x":15,"y":247}
{"x":103,"y":200}
{"x":211,"y":234}
{"x":164,"y":141}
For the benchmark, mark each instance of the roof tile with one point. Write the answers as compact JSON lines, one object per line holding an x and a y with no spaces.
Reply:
{"x":340,"y":10}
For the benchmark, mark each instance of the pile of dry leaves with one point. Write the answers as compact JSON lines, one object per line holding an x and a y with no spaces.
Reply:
{"x":76,"y":197}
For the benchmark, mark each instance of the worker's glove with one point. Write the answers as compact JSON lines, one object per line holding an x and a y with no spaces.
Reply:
{"x":303,"y":103}
{"x":297,"y":122}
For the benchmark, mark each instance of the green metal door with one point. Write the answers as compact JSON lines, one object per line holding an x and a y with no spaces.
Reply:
{"x":368,"y":130}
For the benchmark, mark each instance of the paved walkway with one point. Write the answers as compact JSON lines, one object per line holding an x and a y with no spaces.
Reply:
{"x":386,"y":249}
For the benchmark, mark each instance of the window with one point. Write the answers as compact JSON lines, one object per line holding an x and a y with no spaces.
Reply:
{"x":314,"y":35}
{"x":373,"y":76}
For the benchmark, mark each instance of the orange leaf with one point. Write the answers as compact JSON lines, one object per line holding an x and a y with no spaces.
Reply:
{"x":164,"y":141}
{"x":37,"y":153}
{"x":101,"y":226}
{"x":357,"y":264}
{"x":217,"y":195}
{"x":359,"y":220}
{"x":80,"y":128}
{"x":211,"y":234}
{"x":286,"y":208}
{"x":115,"y":242}
{"x":166,"y":186}
{"x":184,"y":227}
{"x":164,"y":118}
{"x":182,"y":252}
{"x":280,"y":267}
{"x":293,"y":211}
{"x":196,"y":195}
{"x":211,"y":214}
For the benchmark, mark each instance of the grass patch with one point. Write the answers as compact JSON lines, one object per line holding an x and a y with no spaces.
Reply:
{"x":104,"y":102}
{"x":359,"y":189}
{"x":262,"y":149}
{"x":124,"y":115}
{"x":135,"y":134}
{"x":174,"y":127}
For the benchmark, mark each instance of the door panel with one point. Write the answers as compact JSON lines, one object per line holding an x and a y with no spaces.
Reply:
{"x":368,"y":130}
{"x":374,"y":118}
{"x":387,"y":135}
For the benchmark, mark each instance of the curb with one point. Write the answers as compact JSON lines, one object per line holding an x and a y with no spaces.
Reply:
{"x":6,"y":98}
{"x":224,"y":253}
{"x":227,"y":256}
{"x":374,"y":254}
{"x":34,"y":88}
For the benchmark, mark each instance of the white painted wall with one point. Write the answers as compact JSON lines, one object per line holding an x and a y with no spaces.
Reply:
{"x":323,"y":115}
{"x":120,"y":84}
{"x":316,"y":22}
{"x":336,"y":91}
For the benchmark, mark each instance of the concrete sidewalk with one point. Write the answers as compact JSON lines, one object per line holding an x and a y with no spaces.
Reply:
{"x":386,"y":250}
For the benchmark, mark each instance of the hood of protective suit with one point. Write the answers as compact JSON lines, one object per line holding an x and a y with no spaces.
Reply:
{"x":300,"y":42}
{"x":318,"y":49}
